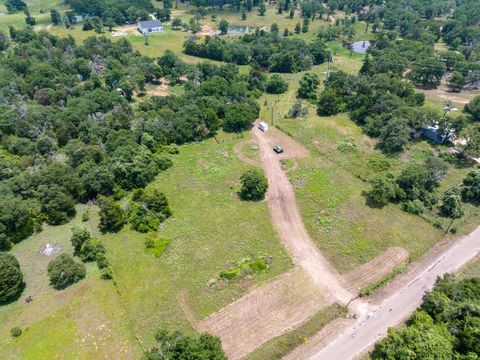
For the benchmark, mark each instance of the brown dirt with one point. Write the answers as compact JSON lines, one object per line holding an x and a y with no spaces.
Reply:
{"x":375,"y":269}
{"x":238,"y":148}
{"x":291,"y":148}
{"x":159,"y":90}
{"x":129,"y":29}
{"x":206,"y":30}
{"x":266,"y":312}
{"x":442,"y":92}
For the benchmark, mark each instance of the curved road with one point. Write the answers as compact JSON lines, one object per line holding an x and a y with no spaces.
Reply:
{"x":368,"y":329}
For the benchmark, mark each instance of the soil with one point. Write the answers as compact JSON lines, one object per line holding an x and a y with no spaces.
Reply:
{"x":269,"y":311}
{"x":376,"y":269}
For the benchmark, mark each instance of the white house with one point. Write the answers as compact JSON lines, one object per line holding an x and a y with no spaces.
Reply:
{"x":151,"y":26}
{"x":263,"y":126}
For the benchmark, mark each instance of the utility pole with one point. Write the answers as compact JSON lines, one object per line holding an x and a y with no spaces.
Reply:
{"x":329,"y":60}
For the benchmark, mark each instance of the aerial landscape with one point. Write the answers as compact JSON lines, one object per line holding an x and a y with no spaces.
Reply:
{"x":239,"y":179}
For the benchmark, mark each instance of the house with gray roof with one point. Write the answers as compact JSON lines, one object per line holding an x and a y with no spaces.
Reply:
{"x":150,"y":26}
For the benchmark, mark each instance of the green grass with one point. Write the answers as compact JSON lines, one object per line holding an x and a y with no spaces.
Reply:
{"x":209,"y":229}
{"x":158,"y":246}
{"x":471,"y":270}
{"x":281,"y":345}
{"x":329,"y":184}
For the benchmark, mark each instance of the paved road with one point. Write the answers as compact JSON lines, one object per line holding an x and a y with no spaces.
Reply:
{"x":370,"y":328}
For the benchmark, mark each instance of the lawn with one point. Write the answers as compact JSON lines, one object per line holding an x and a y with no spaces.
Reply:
{"x":210,"y":229}
{"x":329,"y":184}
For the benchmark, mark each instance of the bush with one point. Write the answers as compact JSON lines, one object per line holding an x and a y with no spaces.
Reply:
{"x":64,"y":271}
{"x":79,"y":236}
{"x":112,"y":216}
{"x":276,"y":85}
{"x":254,"y":185}
{"x":163,"y":162}
{"x":85,"y":216}
{"x":91,"y":249}
{"x":16,"y":331}
{"x":147,"y":210}
{"x":11,"y":277}
{"x":107,"y":273}
{"x":413,"y":207}
{"x":102,"y":261}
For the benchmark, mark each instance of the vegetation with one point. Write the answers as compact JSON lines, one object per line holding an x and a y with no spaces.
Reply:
{"x":369,"y":290}
{"x":245,"y":267}
{"x":254,"y":185}
{"x":280,"y":346}
{"x":156,"y":246}
{"x":64,"y":271}
{"x":446,"y":324}
{"x":11,"y":277}
{"x":175,"y":345}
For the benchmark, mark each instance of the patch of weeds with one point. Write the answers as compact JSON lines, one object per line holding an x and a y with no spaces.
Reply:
{"x":156,"y":246}
{"x":324,"y":220}
{"x":16,"y":331}
{"x":347,"y":146}
{"x":240,"y":269}
{"x":286,"y":164}
{"x":369,"y":290}
{"x":378,"y":164}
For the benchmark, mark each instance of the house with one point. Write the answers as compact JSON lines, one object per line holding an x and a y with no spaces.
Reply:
{"x":151,"y":26}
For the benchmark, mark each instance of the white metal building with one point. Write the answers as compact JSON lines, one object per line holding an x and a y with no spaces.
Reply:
{"x":151,"y":26}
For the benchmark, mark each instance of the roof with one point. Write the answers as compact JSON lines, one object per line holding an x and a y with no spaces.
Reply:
{"x":150,"y":24}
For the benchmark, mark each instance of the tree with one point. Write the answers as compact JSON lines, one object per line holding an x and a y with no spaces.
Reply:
{"x":244,"y":15}
{"x":175,"y":345}
{"x":11,"y":277}
{"x":274,"y":29}
{"x":394,"y":135}
{"x":239,"y":117}
{"x":428,"y":73}
{"x":471,"y":187}
{"x":276,"y":85}
{"x":473,"y":108}
{"x":456,"y":82}
{"x":177,"y":23}
{"x":308,"y":86}
{"x":305,"y":25}
{"x":79,"y":237}
{"x":383,"y":191}
{"x":254,"y":185}
{"x":55,"y":16}
{"x":223,"y":26}
{"x":112,"y":216}
{"x":64,"y":271}
{"x":148,"y":209}
{"x":452,"y":204}
{"x":329,"y":103}
{"x":297,"y":28}
{"x":87,"y":25}
{"x":261,"y":8}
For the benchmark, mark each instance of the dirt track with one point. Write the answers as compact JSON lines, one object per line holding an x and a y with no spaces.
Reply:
{"x":266,"y":312}
{"x":289,"y":225}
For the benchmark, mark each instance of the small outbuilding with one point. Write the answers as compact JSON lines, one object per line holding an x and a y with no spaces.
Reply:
{"x":150,"y":26}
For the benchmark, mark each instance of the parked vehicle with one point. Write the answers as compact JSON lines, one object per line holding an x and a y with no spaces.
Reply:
{"x":278,"y":149}
{"x":263,"y":126}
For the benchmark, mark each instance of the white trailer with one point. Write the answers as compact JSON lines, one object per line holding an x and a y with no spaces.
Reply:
{"x":263,"y":126}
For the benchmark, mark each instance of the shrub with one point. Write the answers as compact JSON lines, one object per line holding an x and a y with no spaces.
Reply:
{"x":16,"y":331}
{"x":413,"y":207}
{"x":156,"y":247}
{"x":79,"y":236}
{"x":276,"y":85}
{"x":64,"y":271}
{"x":91,"y":249}
{"x":107,"y":273}
{"x":254,"y":185}
{"x":147,"y":210}
{"x":102,"y":261}
{"x":11,"y":277}
{"x":163,"y":162}
{"x":112,"y":216}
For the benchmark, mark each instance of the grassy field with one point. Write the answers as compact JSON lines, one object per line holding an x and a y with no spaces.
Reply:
{"x":329,"y":184}
{"x":210,"y":229}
